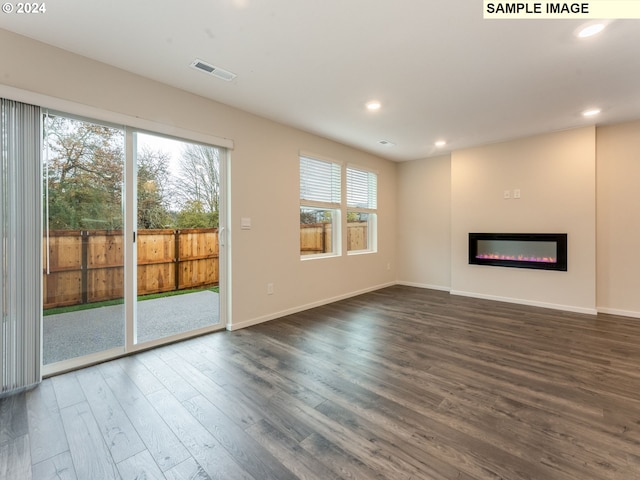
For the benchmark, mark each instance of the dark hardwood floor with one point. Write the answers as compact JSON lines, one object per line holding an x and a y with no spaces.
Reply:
{"x":401,"y":383}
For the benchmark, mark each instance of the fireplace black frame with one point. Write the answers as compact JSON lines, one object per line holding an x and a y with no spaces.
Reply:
{"x":560,"y":239}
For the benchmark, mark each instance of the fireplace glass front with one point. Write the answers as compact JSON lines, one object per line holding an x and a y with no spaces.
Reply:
{"x":546,"y":251}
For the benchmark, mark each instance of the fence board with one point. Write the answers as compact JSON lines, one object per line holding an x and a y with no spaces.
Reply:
{"x":155,"y":246}
{"x":105,"y":248}
{"x":105,"y":284}
{"x":62,"y":289}
{"x":357,"y":236}
{"x":87,"y":266}
{"x":64,"y":262}
{"x":317,"y":237}
{"x":198,"y":243}
{"x":156,"y":278}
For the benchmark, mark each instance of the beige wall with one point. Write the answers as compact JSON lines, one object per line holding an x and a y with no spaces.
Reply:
{"x":440,"y":201}
{"x":556,"y":177}
{"x":618,"y":220}
{"x":563,"y":201}
{"x":264,"y":177}
{"x":424,"y":223}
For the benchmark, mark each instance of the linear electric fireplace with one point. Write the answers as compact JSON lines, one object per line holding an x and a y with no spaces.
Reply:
{"x":545,"y":251}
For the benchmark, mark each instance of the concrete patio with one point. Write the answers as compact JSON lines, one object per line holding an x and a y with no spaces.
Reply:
{"x":74,"y":334}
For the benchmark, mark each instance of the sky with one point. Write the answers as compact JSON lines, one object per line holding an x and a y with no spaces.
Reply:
{"x":164,"y":144}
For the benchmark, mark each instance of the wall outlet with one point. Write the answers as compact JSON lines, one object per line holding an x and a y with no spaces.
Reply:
{"x":269,"y":288}
{"x":507,"y":194}
{"x":516,"y":193}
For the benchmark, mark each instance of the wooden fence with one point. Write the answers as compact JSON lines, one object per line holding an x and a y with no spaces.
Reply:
{"x":317,"y":237}
{"x":84,"y":266}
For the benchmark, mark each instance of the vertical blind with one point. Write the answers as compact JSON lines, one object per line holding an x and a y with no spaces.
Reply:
{"x":320,"y":182}
{"x":20,"y":254}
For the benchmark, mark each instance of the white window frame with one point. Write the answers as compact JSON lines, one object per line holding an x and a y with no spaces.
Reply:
{"x":363,"y":200}
{"x":328,"y":195}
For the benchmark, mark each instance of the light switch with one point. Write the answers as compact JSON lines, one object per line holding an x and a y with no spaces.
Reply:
{"x":507,"y":194}
{"x":245,"y":223}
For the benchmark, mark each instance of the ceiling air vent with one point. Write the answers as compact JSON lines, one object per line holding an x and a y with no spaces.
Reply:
{"x":213,"y":70}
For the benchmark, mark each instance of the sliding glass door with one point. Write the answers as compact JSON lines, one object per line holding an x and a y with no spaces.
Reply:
{"x":83,"y":241}
{"x":177,"y":219}
{"x":131,"y":242}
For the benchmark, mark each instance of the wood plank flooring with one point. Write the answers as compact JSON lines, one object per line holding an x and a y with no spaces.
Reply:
{"x":402,"y":383}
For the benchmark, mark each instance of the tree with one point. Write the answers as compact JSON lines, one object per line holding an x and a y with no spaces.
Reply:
{"x":153,"y":183}
{"x":84,"y":179}
{"x":193,"y":215}
{"x":83,"y":174}
{"x":197,"y":186}
{"x":310,"y":216}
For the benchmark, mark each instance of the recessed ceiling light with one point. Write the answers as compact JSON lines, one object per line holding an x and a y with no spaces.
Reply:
{"x":373,"y":105}
{"x":590,"y":30}
{"x":440,"y":143}
{"x":591,"y":112}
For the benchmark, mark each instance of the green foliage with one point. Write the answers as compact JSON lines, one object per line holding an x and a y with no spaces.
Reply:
{"x":194,"y":215}
{"x":83,"y":174}
{"x":353,"y":217}
{"x":153,"y":174}
{"x":197,"y":186}
{"x":84,"y":180}
{"x":313,"y":215}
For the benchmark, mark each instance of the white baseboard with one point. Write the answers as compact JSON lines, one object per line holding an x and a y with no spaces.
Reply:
{"x":319,"y":303}
{"x":532,"y":303}
{"x":554,"y":306}
{"x":622,"y":313}
{"x":424,"y":285}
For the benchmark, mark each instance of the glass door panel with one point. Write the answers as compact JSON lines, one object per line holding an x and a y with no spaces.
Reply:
{"x":83,"y":244}
{"x":177,"y":255}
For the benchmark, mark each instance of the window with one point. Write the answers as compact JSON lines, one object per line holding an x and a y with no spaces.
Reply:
{"x":321,"y":208}
{"x":320,"y":198}
{"x":362,"y":204}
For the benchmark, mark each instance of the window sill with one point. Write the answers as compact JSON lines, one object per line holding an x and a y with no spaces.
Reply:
{"x":305,"y":258}
{"x":361,"y":252}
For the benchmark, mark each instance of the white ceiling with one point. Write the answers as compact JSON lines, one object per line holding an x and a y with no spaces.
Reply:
{"x":439,"y":70}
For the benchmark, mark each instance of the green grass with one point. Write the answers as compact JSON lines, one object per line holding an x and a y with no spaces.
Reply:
{"x":120,"y":301}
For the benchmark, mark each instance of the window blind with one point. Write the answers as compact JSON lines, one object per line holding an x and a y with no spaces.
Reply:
{"x":320,"y":182}
{"x":20,"y":247}
{"x":362,"y":189}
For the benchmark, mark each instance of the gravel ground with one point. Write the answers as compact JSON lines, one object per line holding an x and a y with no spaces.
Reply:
{"x":69,"y":335}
